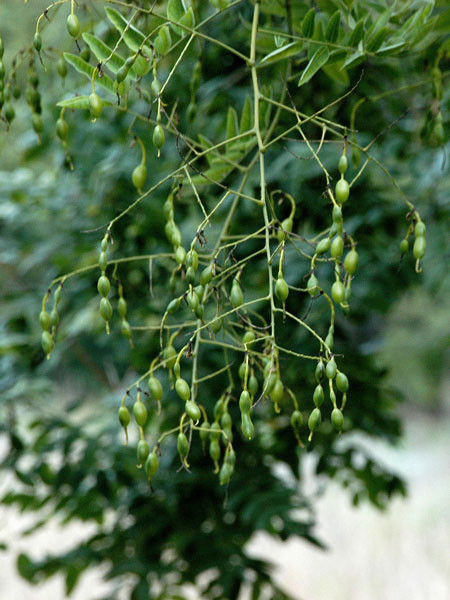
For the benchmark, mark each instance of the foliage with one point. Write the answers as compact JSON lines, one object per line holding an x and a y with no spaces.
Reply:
{"x":68,"y":460}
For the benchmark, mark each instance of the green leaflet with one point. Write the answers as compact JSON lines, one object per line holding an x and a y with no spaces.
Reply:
{"x":353,"y":60}
{"x":308,"y":23}
{"x":357,"y":34}
{"x":283,"y":52}
{"x":132,"y":37}
{"x":86,"y":69}
{"x":246,"y":117}
{"x":79,"y":102}
{"x":318,"y":60}
{"x":232,"y":125}
{"x":102,"y":51}
{"x":332,"y":30}
{"x":177,"y":12}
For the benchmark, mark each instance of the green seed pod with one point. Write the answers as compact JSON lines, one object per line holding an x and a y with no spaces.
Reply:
{"x":103,"y":286}
{"x":319,"y":372}
{"x":420,"y":229}
{"x":192,"y":410}
{"x":225,"y":473}
{"x":404,"y":245}
{"x":192,"y":259}
{"x":95,"y":105}
{"x":314,"y":420}
{"x":16,"y":91}
{"x":337,"y":418}
{"x":313,"y":285}
{"x":124,"y":416}
{"x":342,"y":191}
{"x":140,"y":413}
{"x":419,"y":247}
{"x":85,"y":54}
{"x":218,"y":409}
{"x":342,"y":382}
{"x":169,"y":356}
{"x":330,"y":369}
{"x":54,"y":318}
{"x":226,"y":421}
{"x":155,"y":388}
{"x":62,"y":68}
{"x":204,"y":433}
{"x":121,"y":74}
{"x":236,"y":296}
{"x":44,"y":320}
{"x":323,"y":246}
{"x":230,"y":458}
{"x":206,"y":275}
{"x":351,"y":261}
{"x":126,"y":329}
{"x":242,"y":370}
{"x":190,"y":275}
{"x":192,"y":300}
{"x":343,"y":164}
{"x":329,"y":340}
{"x":9,"y":112}
{"x":277,"y":392}
{"x":286,"y":227}
{"x":296,"y":420}
{"x":156,"y":87}
{"x":37,"y":42}
{"x":142,"y":451}
{"x":180,"y":255}
{"x":216,"y":325}
{"x":182,"y":445}
{"x":270,"y":381}
{"x":139,"y":176}
{"x":2,"y":48}
{"x":47,"y":342}
{"x":182,"y":389}
{"x":214,"y":450}
{"x":122,"y":307}
{"x":199,"y":311}
{"x":281,"y":289}
{"x":338,"y":291}
{"x":158,"y":137}
{"x":249,"y":338}
{"x":62,"y":129}
{"x":151,"y":464}
{"x":245,"y":402}
{"x":103,"y":261}
{"x":318,"y":396}
{"x":337,"y":214}
{"x":177,"y":369}
{"x":73,"y":25}
{"x":247,"y":427}
{"x":337,"y":247}
{"x":106,"y":309}
{"x":173,"y":306}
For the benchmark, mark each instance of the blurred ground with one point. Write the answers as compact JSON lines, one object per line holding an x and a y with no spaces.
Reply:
{"x":402,"y":554}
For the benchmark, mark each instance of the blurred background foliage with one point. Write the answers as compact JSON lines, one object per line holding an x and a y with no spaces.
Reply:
{"x":58,"y":417}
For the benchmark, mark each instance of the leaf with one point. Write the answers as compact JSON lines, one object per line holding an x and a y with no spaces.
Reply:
{"x":175,"y":12}
{"x":357,"y":34}
{"x":87,"y":70}
{"x":79,"y":102}
{"x":132,"y":37}
{"x":102,"y":51}
{"x":318,"y":60}
{"x":308,"y":23}
{"x":335,"y":73}
{"x":353,"y":60}
{"x":246,"y":117}
{"x":332,"y":30}
{"x":283,"y":52}
{"x":376,"y":41}
{"x":231,"y":123}
{"x":392,"y":47}
{"x":25,"y":567}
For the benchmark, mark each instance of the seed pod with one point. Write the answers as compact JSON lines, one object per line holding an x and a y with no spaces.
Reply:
{"x":320,"y":371}
{"x":182,"y":389}
{"x":156,"y":87}
{"x":323,"y":246}
{"x":342,"y":382}
{"x":158,"y":137}
{"x":151,"y":464}
{"x":140,"y":413}
{"x":73,"y":25}
{"x":103,"y":286}
{"x":330,"y":369}
{"x":180,"y":255}
{"x":214,"y":450}
{"x":337,"y":247}
{"x":192,"y":259}
{"x":62,"y":129}
{"x":47,"y":342}
{"x":190,"y":275}
{"x":124,"y":416}
{"x":314,"y":420}
{"x":2,"y":48}
{"x":85,"y":54}
{"x":337,"y":418}
{"x":173,"y":306}
{"x":54,"y":318}
{"x":404,"y":245}
{"x":351,"y":261}
{"x":44,"y":320}
{"x":286,"y":227}
{"x":204,"y":433}
{"x":155,"y":388}
{"x":337,"y":214}
{"x":419,"y":247}
{"x":121,"y":74}
{"x":126,"y":329}
{"x":106,"y":309}
{"x":37,"y":42}
{"x":225,"y":473}
{"x":242,"y":369}
{"x":206,"y":275}
{"x":95,"y":105}
{"x":142,"y":452}
{"x":296,"y":419}
{"x":269,"y":382}
{"x":216,"y":325}
{"x":277,"y":392}
{"x":177,"y":369}
{"x":9,"y":112}
{"x":420,"y":229}
{"x":169,"y":356}
{"x":281,"y":289}
{"x":342,"y":191}
{"x":182,"y":445}
{"x":245,"y":402}
{"x":318,"y":396}
{"x":313,"y":285}
{"x":192,"y":410}
{"x":139,"y":176}
{"x":62,"y":68}
{"x":247,"y":427}
{"x":338,"y":291}
{"x":192,"y":300}
{"x":122,"y":307}
{"x":236,"y":296}
{"x":343,"y":164}
{"x":249,"y":338}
